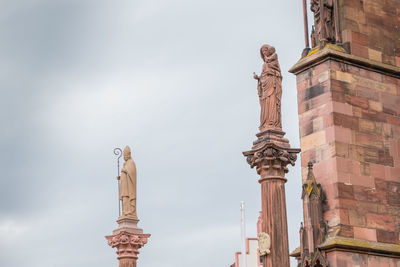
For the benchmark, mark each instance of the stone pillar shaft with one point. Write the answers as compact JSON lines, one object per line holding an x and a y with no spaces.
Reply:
{"x":273,"y":203}
{"x":127,"y":262}
{"x":270,"y":154}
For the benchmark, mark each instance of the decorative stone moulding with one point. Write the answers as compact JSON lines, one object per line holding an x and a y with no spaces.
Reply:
{"x":127,"y":244}
{"x":271,"y":150}
{"x":272,"y":157}
{"x":316,"y":260}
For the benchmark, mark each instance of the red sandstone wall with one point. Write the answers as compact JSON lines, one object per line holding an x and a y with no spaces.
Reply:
{"x":371,"y":29}
{"x":350,"y":127}
{"x":348,"y":259}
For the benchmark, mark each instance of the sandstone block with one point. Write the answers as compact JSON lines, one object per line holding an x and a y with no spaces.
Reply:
{"x":368,"y":93}
{"x":345,"y":191}
{"x":374,"y":105}
{"x":346,"y":231}
{"x":357,"y":101}
{"x":346,"y":121}
{"x":387,"y":236}
{"x":357,"y":218}
{"x":380,"y":221}
{"x":374,"y":55}
{"x":365,"y":233}
{"x":313,"y":140}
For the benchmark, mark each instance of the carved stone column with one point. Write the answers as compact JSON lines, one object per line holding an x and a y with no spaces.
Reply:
{"x":128,"y":238}
{"x":128,"y":245}
{"x":270,"y":155}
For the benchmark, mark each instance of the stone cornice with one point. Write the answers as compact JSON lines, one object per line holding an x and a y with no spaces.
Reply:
{"x":335,"y":52}
{"x":358,"y":245}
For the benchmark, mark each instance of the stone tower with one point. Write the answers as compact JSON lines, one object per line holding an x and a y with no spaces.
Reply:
{"x":348,"y":89}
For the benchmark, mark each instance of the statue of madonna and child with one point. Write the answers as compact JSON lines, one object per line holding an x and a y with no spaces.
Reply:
{"x":269,"y":90}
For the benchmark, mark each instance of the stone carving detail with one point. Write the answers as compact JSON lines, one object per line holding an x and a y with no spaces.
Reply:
{"x":127,"y":190}
{"x":270,"y":89}
{"x":311,"y":186}
{"x":313,"y":233}
{"x":325,"y":28}
{"x":272,"y":156}
{"x":264,"y":243}
{"x":317,"y":260}
{"x":127,"y":244}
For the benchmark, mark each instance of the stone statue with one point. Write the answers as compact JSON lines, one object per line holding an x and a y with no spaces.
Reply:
{"x":270,"y":90}
{"x":324,"y":22}
{"x":264,"y":244}
{"x":127,"y":190}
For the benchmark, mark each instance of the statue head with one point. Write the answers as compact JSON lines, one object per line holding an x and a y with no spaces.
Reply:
{"x":127,"y":153}
{"x":266,"y":51}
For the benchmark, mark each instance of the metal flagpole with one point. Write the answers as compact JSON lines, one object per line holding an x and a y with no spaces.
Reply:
{"x":243,"y":227}
{"x":118,"y":152}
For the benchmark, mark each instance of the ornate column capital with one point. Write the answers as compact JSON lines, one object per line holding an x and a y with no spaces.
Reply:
{"x":271,"y":153}
{"x":127,"y":244}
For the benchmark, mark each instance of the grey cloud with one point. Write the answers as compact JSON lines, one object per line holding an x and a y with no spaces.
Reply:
{"x":172,"y":79}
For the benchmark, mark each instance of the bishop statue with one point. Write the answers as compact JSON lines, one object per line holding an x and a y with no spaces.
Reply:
{"x":127,"y":189}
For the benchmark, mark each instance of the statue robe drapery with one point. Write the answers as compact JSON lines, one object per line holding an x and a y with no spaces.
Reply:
{"x":128,"y":188}
{"x":270,"y":94}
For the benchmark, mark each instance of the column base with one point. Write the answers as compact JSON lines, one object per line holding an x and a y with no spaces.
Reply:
{"x":129,"y":225}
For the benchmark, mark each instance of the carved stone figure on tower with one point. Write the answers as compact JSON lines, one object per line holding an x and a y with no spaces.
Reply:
{"x":127,"y":190}
{"x":270,"y":90}
{"x":324,"y":30}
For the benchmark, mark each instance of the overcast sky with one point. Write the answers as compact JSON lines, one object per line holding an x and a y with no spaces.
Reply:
{"x":171,"y":78}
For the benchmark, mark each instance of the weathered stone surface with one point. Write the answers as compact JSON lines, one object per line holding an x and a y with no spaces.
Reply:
{"x":363,"y":142}
{"x":349,"y":114}
{"x":270,"y":155}
{"x":387,"y":236}
{"x":365,"y":233}
{"x":350,"y":130}
{"x":366,"y":26}
{"x":128,"y":245}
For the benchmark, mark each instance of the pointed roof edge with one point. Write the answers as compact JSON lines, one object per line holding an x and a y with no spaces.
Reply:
{"x":311,"y":185}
